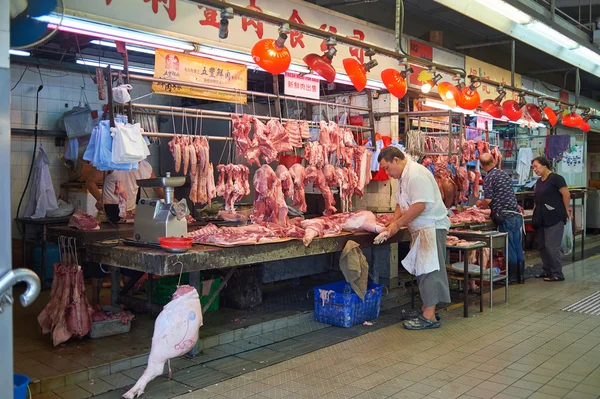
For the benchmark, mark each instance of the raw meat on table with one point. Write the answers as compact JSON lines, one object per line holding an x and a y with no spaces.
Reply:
{"x":472,"y":215}
{"x":83,"y":221}
{"x":175,"y":333}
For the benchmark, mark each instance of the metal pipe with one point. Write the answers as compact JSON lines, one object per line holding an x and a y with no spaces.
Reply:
{"x":13,"y":277}
{"x":479,"y":45}
{"x":397,"y":27}
{"x":371,"y":116}
{"x":513,"y":48}
{"x":247,"y":92}
{"x":309,"y":30}
{"x":577,"y":86}
{"x":210,"y":114}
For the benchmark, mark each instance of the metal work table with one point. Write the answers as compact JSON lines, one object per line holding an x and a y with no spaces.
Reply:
{"x":204,"y":257}
{"x":44,"y":222}
{"x":465,"y":252}
{"x":85,"y":238}
{"x":493,"y":240}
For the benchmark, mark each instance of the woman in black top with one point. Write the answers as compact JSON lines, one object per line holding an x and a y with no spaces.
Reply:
{"x":551,"y":212}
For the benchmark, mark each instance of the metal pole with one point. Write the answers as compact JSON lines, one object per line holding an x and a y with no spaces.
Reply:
{"x":247,"y":92}
{"x":128,"y":80}
{"x":552,"y":9}
{"x":479,"y":45}
{"x":577,"y":86}
{"x":371,"y":117}
{"x":111,"y":104}
{"x":277,"y":100}
{"x":512,"y":62}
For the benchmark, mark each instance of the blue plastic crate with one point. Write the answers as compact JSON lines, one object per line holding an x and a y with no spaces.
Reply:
{"x":344,"y":308}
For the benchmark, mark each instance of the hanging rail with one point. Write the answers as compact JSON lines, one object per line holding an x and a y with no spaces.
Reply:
{"x":247,"y":92}
{"x":210,"y":114}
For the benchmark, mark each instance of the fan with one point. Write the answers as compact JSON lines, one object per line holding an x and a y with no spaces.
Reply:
{"x":25,"y":30}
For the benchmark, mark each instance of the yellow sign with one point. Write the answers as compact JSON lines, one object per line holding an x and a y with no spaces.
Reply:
{"x":191,"y":69}
{"x":491,"y":72}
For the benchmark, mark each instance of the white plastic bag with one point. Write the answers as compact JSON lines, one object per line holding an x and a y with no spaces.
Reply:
{"x":566,"y":246}
{"x":121,"y":94}
{"x":128,"y":145}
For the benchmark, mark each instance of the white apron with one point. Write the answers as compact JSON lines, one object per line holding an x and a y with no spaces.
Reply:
{"x":423,"y":255}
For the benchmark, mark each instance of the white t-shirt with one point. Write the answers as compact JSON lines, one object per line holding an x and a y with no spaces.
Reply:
{"x":417,"y":184}
{"x":129,"y":180}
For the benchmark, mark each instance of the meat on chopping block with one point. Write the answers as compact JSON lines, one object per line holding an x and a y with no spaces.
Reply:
{"x":175,"y":333}
{"x":83,"y":221}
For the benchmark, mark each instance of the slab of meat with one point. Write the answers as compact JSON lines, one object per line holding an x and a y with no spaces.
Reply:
{"x":497,"y":157}
{"x":473,"y":215}
{"x":347,"y":156}
{"x":324,"y":134}
{"x":241,"y":235}
{"x":319,"y":227}
{"x":193,"y":159}
{"x":269,"y":201}
{"x":83,"y":221}
{"x":279,"y":137}
{"x":292,"y":130}
{"x":468,"y":152}
{"x":298,"y":174}
{"x":304,"y":130}
{"x":79,"y":312}
{"x":203,"y":188}
{"x":483,"y":147}
{"x":220,"y":188}
{"x":348,"y":138}
{"x":261,"y":135}
{"x":462,"y":181}
{"x":347,"y":182}
{"x":476,"y":184}
{"x":449,"y":191}
{"x":122,"y":195}
{"x":175,"y":148}
{"x":363,"y":221}
{"x":185,"y":144}
{"x":287,"y":183}
{"x":211,"y":190}
{"x":385,"y":218}
{"x":316,"y":154}
{"x":362,"y":168}
{"x":315,"y":176}
{"x":175,"y":333}
{"x":241,"y":133}
{"x":235,"y":187}
{"x":100,"y":315}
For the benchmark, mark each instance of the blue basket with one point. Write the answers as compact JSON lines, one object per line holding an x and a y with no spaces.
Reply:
{"x":344,"y":308}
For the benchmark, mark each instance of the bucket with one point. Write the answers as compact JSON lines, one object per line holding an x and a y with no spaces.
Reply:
{"x":289,"y":160}
{"x":21,"y":382}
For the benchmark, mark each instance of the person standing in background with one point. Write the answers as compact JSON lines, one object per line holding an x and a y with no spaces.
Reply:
{"x":550,"y":213}
{"x":499,"y":196}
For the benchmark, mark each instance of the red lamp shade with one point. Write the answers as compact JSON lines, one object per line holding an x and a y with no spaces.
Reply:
{"x":449,"y":93}
{"x":572,"y":119}
{"x":394,"y":82}
{"x":356,"y":72}
{"x":270,"y":56}
{"x":469,"y":98}
{"x":321,"y":64}
{"x":512,"y":110}
{"x":534,"y":112}
{"x":585,"y":126}
{"x":492,"y":107}
{"x":551,"y":115}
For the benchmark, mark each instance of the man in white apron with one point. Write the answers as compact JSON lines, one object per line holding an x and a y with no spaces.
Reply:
{"x":419,"y":206}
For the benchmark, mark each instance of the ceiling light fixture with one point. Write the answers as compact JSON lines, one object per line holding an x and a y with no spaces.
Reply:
{"x":549,"y":112}
{"x":572,"y":119}
{"x":585,"y":125}
{"x":395,"y":81}
{"x":272,"y":55}
{"x":449,"y":93}
{"x":118,"y":67}
{"x":510,"y":12}
{"x":551,"y":34}
{"x":513,"y":110}
{"x":357,"y":72}
{"x":469,"y":98}
{"x":492,"y":107}
{"x":137,"y":49}
{"x":587,"y":54}
{"x":534,"y":112}
{"x":427,"y":86}
{"x":321,"y":64}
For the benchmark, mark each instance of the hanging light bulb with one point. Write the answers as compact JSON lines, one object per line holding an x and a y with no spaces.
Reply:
{"x":572,"y":119}
{"x":493,"y":107}
{"x":585,"y":125}
{"x":272,"y":55}
{"x":395,"y":81}
{"x":226,"y":15}
{"x":469,"y":98}
{"x":427,"y":86}
{"x":449,"y":93}
{"x":357,"y":72}
{"x":549,"y":112}
{"x":321,"y":64}
{"x":514,"y":110}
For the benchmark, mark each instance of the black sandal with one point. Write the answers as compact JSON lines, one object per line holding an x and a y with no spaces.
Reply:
{"x":554,"y":279}
{"x":542,"y":275}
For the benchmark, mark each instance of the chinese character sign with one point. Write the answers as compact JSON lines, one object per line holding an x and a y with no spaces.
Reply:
{"x":421,"y":50}
{"x":185,"y":68}
{"x":301,"y":86}
{"x":491,"y":72}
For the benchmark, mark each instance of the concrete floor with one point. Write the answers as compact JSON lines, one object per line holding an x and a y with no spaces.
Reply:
{"x":528,"y":348}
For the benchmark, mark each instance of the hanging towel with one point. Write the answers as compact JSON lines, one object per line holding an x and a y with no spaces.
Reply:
{"x":556,"y":146}
{"x":41,"y":197}
{"x":524,"y":164}
{"x":355,"y":268}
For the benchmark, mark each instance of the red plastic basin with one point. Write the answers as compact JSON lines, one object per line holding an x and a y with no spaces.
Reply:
{"x":175,"y":242}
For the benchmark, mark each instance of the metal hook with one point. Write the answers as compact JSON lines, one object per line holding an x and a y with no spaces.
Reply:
{"x":180,"y":272}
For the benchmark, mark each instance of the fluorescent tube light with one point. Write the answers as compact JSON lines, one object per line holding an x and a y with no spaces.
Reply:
{"x":128,"y":46}
{"x":118,"y":67}
{"x":588,"y":54}
{"x":505,"y":9}
{"x":19,"y":53}
{"x":115,"y":33}
{"x":551,"y":34}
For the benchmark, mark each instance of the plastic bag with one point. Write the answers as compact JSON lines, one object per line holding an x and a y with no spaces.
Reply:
{"x":128,"y":144}
{"x":566,"y":245}
{"x":121,"y":94}
{"x":78,"y":122}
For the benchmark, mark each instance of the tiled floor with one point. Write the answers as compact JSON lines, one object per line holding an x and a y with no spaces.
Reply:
{"x":526,"y":349}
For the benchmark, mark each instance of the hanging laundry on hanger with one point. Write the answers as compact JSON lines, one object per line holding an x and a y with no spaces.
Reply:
{"x":556,"y":145}
{"x":572,"y":161}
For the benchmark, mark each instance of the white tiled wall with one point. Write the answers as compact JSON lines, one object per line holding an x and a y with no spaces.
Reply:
{"x":61,"y":92}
